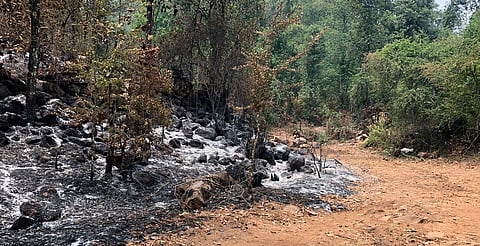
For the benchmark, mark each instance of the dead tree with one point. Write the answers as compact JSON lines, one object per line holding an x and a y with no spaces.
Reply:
{"x":33,"y":59}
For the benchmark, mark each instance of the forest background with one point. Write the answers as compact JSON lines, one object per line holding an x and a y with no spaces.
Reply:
{"x":404,"y":71}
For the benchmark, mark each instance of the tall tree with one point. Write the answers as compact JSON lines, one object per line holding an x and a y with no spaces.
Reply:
{"x":33,"y":59}
{"x":415,"y":19}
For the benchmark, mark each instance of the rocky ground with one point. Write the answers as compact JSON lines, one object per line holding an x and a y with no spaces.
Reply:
{"x":53,"y":191}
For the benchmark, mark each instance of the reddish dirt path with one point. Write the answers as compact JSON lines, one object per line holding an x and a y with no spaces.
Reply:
{"x":398,"y":202}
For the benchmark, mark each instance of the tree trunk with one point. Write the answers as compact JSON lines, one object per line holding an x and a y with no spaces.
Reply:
{"x":150,"y":23}
{"x":33,"y":59}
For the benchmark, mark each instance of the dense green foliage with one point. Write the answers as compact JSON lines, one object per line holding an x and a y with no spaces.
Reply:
{"x":405,"y":70}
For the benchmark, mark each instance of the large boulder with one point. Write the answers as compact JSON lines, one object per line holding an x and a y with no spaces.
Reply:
{"x":296,"y":162}
{"x":240,"y":172}
{"x":281,"y":152}
{"x":206,"y":132}
{"x":265,"y":152}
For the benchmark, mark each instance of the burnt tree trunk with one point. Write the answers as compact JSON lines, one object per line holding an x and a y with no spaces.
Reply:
{"x":33,"y":59}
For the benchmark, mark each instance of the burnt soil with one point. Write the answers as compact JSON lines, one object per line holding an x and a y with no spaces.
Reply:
{"x":400,"y":201}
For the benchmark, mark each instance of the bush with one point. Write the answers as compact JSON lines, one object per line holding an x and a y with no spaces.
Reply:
{"x":380,"y":135}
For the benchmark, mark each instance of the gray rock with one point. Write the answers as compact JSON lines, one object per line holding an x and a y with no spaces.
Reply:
{"x":237,"y":171}
{"x":261,"y":162}
{"x":33,"y":140}
{"x":41,"y":212}
{"x":84,"y":142}
{"x":4,"y":91}
{"x":195,"y":143}
{"x":10,"y":119}
{"x":4,"y":141}
{"x":296,"y":162}
{"x":281,"y":152}
{"x":206,"y":132}
{"x":202,"y":158}
{"x":266,"y":153}
{"x":13,"y":104}
{"x":31,"y":209}
{"x":22,"y":223}
{"x":48,"y":141}
{"x":225,"y":161}
{"x":201,"y":121}
{"x":48,"y":192}
{"x":231,"y":138}
{"x":274,"y":177}
{"x":143,"y":178}
{"x":175,"y":143}
{"x":187,"y":132}
{"x":213,"y":158}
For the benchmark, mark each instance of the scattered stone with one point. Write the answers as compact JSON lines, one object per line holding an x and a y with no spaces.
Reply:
{"x":22,"y":223}
{"x":13,"y":104}
{"x":202,"y":158}
{"x":406,"y":151}
{"x":50,"y":88}
{"x":236,"y":171}
{"x":72,"y":132}
{"x":175,"y":143}
{"x":32,"y":210}
{"x":48,"y":192}
{"x":101,"y":148}
{"x":33,"y":140}
{"x":4,"y":141}
{"x":4,"y":91}
{"x":206,"y":132}
{"x":427,"y":155}
{"x":225,"y":161}
{"x":143,"y":178}
{"x":266,"y":153}
{"x":281,"y":152}
{"x":188,"y":132}
{"x":261,"y":162}
{"x":231,"y":138}
{"x":213,"y":158}
{"x":296,"y":162}
{"x":195,"y":143}
{"x":48,"y":142}
{"x":274,"y":177}
{"x":299,"y":141}
{"x":8,"y":120}
{"x":84,"y":142}
{"x":279,"y":140}
{"x":194,"y":194}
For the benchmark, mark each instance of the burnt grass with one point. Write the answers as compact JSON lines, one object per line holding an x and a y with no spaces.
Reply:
{"x":105,"y":211}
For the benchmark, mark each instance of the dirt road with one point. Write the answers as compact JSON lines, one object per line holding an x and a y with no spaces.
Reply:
{"x":398,"y":202}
